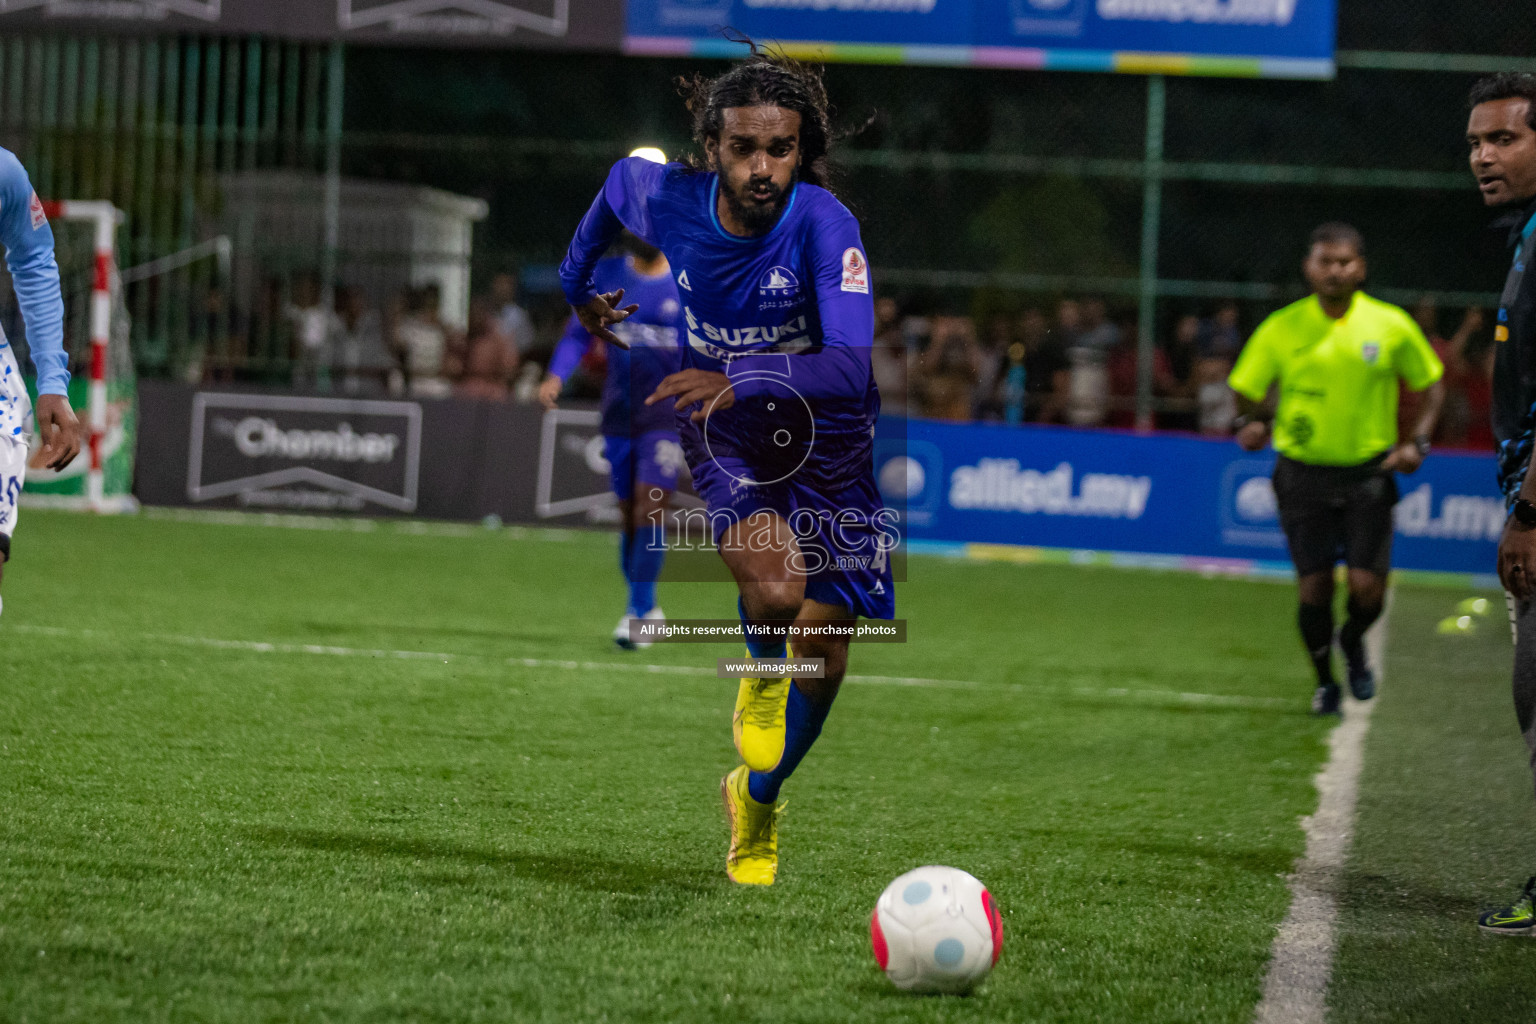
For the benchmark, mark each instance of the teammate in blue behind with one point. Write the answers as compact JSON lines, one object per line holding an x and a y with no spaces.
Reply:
{"x":639,"y":440}
{"x":776,"y":405}
{"x":28,"y":244}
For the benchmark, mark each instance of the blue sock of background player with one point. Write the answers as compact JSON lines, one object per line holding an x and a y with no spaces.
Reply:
{"x":646,"y":549}
{"x":803,"y":719}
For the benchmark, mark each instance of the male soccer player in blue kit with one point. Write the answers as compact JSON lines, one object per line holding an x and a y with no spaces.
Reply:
{"x":28,"y":242}
{"x":639,"y":440}
{"x":775,"y":399}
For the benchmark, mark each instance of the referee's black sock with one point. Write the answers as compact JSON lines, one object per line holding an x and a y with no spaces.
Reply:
{"x":1352,"y":634}
{"x":1316,"y":622}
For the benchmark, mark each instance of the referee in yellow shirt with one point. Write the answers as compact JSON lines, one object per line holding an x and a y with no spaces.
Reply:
{"x":1336,"y":357}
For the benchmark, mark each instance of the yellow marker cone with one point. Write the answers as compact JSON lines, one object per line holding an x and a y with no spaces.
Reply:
{"x":1472,"y":606}
{"x":1453,"y":625}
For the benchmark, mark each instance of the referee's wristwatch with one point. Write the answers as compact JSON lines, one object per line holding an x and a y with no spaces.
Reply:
{"x":1525,"y":512}
{"x":1421,"y":442}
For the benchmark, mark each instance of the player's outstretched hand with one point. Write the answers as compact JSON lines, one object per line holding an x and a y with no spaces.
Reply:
{"x":690,"y":386}
{"x":549,"y":391}
{"x":59,"y":428}
{"x":602,"y":312}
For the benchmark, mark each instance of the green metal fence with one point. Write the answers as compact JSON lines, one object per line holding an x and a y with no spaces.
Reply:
{"x":150,"y":123}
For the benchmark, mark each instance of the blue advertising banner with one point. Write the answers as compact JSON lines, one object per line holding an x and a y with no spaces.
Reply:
{"x":1203,"y":503}
{"x":1240,"y":38}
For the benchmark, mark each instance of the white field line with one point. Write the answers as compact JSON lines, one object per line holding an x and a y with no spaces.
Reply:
{"x":336,"y":524}
{"x":1209,"y":699}
{"x":328,"y":650}
{"x":1301,"y":960}
{"x":274,"y":647}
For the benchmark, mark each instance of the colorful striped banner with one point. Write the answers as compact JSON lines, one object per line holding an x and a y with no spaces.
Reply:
{"x":1022,"y":58}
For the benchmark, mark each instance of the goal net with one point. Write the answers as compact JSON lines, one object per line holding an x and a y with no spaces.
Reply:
{"x":101,"y":387}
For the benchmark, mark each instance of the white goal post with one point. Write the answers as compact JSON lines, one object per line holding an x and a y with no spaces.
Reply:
{"x":102,"y":218}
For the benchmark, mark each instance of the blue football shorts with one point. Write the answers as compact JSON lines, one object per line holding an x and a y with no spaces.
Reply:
{"x":846,"y":533}
{"x":653,"y":459}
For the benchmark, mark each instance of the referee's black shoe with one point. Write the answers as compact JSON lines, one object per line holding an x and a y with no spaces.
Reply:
{"x":1325,"y":700}
{"x":1362,"y":681}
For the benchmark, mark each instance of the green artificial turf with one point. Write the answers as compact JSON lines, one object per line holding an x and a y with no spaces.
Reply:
{"x":1444,"y":829}
{"x":526,"y":828}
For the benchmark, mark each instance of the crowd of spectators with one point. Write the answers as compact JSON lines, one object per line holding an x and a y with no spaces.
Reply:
{"x":1076,"y":363}
{"x":1073,"y":362}
{"x":1465,"y":420}
{"x":407,"y":348}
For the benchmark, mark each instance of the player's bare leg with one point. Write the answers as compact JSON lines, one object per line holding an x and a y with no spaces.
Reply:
{"x":777,"y":719}
{"x":764,"y":557}
{"x":648,"y":506}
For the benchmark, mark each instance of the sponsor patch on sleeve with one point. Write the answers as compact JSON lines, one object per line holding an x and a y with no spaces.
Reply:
{"x":39,"y":217}
{"x":855,"y":272}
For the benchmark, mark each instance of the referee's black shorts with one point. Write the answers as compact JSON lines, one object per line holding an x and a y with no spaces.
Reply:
{"x":1331,"y":513}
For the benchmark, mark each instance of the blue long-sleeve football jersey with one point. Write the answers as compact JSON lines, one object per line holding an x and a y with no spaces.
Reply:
{"x":635,"y":372}
{"x":28,"y":242}
{"x":787,"y":315}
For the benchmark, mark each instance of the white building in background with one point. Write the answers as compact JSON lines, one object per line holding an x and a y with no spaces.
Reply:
{"x":393,"y":236}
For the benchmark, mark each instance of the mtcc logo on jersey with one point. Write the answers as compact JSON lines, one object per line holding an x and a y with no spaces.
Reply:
{"x":1370,"y":351}
{"x":777,"y":289}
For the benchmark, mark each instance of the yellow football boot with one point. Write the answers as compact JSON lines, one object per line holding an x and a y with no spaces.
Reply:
{"x":754,"y":855}
{"x":758,"y":724}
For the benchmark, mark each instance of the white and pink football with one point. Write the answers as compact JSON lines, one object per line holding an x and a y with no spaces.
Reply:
{"x":936,"y":929}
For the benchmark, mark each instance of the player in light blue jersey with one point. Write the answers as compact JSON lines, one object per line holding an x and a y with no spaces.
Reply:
{"x":28,"y":242}
{"x":776,"y":405}
{"x":639,"y":440}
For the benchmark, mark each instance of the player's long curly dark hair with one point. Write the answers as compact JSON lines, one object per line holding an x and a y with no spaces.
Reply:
{"x":768,"y":79}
